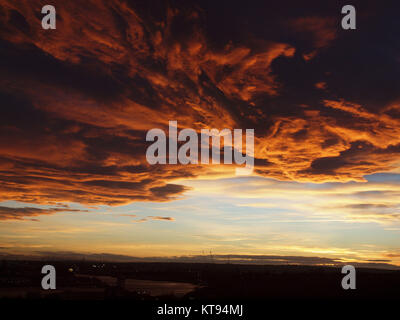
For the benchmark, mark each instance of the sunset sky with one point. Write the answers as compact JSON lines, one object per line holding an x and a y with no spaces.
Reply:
{"x":77,"y":102}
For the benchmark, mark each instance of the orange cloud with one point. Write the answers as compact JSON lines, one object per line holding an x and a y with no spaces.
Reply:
{"x":78,"y":102}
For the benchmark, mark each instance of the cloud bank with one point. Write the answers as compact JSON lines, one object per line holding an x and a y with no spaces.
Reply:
{"x":78,"y":101}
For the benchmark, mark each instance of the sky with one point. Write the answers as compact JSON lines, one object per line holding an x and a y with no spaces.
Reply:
{"x":77,"y":102}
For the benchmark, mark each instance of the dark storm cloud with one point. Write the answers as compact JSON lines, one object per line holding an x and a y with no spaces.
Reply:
{"x":77,"y":101}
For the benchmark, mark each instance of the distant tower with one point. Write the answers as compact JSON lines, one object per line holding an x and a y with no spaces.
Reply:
{"x":211,"y":257}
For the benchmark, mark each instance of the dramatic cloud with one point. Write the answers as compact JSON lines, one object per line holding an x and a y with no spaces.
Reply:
{"x":77,"y":101}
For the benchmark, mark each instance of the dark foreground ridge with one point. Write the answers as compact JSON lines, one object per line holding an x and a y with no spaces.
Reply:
{"x":190,"y":282}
